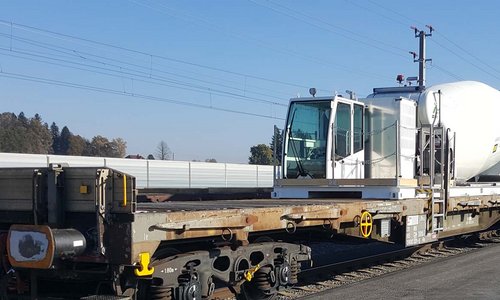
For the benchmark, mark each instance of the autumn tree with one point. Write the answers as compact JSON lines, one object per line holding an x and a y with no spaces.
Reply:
{"x":102,"y":147}
{"x":260,"y":155}
{"x":117,"y":148}
{"x":39,"y":135}
{"x":78,"y":146}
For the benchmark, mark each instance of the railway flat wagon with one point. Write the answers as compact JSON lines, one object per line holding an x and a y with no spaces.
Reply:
{"x":82,"y":230}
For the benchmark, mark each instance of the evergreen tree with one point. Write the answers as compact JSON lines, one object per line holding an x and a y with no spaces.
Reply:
{"x":64,"y":140}
{"x":22,"y":118}
{"x":278,"y":135}
{"x":56,"y":138}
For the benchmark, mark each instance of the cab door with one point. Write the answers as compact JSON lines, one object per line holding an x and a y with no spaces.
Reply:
{"x":347,"y":154}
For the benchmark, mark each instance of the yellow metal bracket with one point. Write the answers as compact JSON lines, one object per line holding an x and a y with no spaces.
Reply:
{"x":250,"y":272}
{"x":366,"y":224}
{"x":124,"y":203}
{"x":143,"y":269}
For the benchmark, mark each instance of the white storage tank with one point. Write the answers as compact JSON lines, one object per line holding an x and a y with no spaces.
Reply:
{"x":472,"y":110}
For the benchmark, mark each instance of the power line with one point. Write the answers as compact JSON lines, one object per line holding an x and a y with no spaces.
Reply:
{"x":71,"y":53}
{"x":208,"y":91}
{"x":397,"y":13}
{"x":148,"y":55}
{"x":123,"y":93}
{"x":148,"y":70}
{"x":441,"y":45}
{"x":468,"y":52}
{"x":144,"y":75}
{"x":287,"y":51}
{"x":307,"y":19}
{"x":365,"y":7}
{"x":466,"y":60}
{"x":433,"y":65}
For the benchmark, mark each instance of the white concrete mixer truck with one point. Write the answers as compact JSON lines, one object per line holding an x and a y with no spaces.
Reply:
{"x":448,"y":132}
{"x":443,"y":136}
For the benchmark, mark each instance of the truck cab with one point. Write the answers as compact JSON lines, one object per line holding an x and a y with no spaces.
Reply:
{"x":324,"y":138}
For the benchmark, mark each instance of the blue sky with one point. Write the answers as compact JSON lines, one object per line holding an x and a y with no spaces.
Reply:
{"x":211,"y":78}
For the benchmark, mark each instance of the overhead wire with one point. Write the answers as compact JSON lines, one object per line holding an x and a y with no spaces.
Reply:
{"x":67,"y":37}
{"x":466,"y":60}
{"x":78,"y":53}
{"x":124,"y":93}
{"x":207,"y":90}
{"x":146,"y":75}
{"x":468,"y":52}
{"x":440,"y":44}
{"x":308,"y":19}
{"x":457,"y":77}
{"x":322,"y":62}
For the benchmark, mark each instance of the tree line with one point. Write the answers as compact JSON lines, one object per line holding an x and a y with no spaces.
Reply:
{"x":20,"y":134}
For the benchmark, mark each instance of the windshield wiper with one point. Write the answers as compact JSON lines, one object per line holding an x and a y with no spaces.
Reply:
{"x":300,"y":167}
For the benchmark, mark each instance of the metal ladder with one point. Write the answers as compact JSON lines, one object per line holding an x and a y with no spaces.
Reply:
{"x":438,"y":210}
{"x":433,"y":141}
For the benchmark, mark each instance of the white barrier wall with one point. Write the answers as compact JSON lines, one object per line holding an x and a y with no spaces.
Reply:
{"x":158,"y":173}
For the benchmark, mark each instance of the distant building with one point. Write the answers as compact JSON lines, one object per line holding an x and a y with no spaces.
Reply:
{"x":136,"y":156}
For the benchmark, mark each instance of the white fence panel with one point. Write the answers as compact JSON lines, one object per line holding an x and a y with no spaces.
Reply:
{"x":14,"y":160}
{"x":168,"y":173}
{"x":266,"y":176}
{"x":76,"y":161}
{"x":135,"y":167}
{"x":156,"y":173}
{"x":242,"y":175}
{"x":207,"y":175}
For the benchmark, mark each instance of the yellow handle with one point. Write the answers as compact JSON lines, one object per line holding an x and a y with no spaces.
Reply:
{"x":144,"y":269}
{"x":366,"y":225}
{"x":249,"y":273}
{"x":124,"y":190}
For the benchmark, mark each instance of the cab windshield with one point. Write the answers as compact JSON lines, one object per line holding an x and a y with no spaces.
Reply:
{"x":306,"y":139}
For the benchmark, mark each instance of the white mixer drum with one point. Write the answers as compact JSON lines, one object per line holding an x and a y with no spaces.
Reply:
{"x":472,"y":110}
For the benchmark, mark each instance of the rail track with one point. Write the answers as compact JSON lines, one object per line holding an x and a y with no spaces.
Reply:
{"x":328,"y":276}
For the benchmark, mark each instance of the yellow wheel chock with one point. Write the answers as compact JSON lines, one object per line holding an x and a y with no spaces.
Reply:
{"x":366,"y":224}
{"x":143,"y":269}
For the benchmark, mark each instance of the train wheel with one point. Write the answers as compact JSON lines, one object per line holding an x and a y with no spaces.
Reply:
{"x":261,"y":287}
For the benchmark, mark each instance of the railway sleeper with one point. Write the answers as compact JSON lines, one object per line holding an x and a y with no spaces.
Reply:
{"x":254,"y":271}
